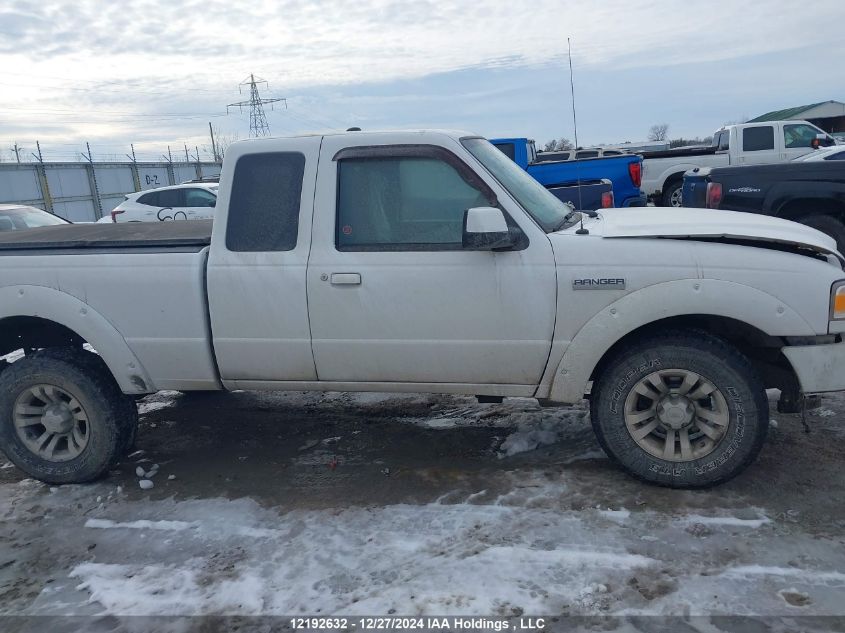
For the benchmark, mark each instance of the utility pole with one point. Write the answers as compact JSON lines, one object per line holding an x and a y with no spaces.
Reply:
{"x":17,"y":151}
{"x":213,"y":144}
{"x":95,"y":190}
{"x":42,"y":179}
{"x":136,"y":177}
{"x":257,"y":119}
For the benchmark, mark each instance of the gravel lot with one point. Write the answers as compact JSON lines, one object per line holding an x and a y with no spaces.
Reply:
{"x":304,"y":503}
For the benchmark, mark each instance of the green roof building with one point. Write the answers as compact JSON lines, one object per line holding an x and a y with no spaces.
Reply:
{"x":828,"y":115}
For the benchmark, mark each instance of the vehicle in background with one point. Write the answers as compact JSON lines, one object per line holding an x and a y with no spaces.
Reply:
{"x":421,"y":261}
{"x":836,"y":152}
{"x":177,"y":202}
{"x":623,"y":171}
{"x":742,"y":144}
{"x":577,"y":154}
{"x":16,"y":217}
{"x":839,"y":137}
{"x":205,"y":179}
{"x":809,"y":192}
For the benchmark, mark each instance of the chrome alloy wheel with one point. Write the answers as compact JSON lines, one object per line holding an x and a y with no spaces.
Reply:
{"x":676,"y":415}
{"x":51,"y":423}
{"x":677,"y":198}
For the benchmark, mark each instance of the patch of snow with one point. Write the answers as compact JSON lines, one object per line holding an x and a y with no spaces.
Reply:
{"x":692,"y":519}
{"x":529,"y":438}
{"x":620,"y":515}
{"x":824,"y":413}
{"x":807,"y":575}
{"x":359,"y":561}
{"x":146,"y":484}
{"x":142,"y":524}
{"x":148,"y":407}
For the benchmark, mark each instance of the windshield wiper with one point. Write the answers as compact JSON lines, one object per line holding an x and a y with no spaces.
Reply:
{"x":572,"y":216}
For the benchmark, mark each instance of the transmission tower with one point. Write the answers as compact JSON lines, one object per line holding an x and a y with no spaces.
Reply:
{"x":257,"y":119}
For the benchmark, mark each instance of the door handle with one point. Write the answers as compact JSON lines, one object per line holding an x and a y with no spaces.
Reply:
{"x":348,"y":279}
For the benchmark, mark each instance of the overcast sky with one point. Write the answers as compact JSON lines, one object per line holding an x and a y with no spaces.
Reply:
{"x":155,"y":73}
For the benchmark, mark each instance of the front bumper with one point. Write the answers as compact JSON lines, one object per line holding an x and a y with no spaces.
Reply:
{"x":819,"y":368}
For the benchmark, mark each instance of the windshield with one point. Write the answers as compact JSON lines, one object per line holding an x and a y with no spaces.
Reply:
{"x":27,"y":218}
{"x":544,"y":207}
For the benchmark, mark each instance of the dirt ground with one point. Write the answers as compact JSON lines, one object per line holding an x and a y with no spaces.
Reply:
{"x":292,"y":503}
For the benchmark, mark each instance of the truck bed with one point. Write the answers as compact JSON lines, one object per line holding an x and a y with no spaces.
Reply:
{"x":679,"y":152}
{"x":182,"y":236}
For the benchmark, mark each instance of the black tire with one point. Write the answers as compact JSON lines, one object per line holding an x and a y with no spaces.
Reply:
{"x":714,"y":360}
{"x":828,"y":225}
{"x":669,"y":191}
{"x":83,"y":375}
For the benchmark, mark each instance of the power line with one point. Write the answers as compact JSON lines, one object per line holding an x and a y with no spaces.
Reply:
{"x":257,"y":119}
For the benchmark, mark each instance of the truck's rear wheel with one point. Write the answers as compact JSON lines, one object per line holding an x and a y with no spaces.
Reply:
{"x":685,"y":410}
{"x":828,"y":225}
{"x":63,"y":418}
{"x":673,"y":194}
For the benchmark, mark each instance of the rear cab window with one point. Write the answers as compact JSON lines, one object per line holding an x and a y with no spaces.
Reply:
{"x":265,"y":202}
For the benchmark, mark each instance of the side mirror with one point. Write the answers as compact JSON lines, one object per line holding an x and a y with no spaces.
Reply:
{"x":823,"y":140}
{"x":485,"y":229}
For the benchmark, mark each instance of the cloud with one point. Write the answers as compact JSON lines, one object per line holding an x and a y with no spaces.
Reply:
{"x":109,"y":69}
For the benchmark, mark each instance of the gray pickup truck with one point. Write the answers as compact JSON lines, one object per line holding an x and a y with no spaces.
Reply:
{"x":428,"y":262}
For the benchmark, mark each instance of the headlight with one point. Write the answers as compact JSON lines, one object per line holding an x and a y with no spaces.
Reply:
{"x":837,"y":301}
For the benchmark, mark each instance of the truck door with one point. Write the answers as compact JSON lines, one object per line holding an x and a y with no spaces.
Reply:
{"x":758,"y":145}
{"x":392,"y":295}
{"x":798,"y":140}
{"x":256,"y":267}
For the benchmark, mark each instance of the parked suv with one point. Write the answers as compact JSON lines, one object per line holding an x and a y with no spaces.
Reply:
{"x":194,"y":201}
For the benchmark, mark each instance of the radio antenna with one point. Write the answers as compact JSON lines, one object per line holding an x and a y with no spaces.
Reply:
{"x":582,"y":230}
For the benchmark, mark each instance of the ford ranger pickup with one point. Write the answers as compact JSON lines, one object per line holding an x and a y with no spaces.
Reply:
{"x":419,"y":262}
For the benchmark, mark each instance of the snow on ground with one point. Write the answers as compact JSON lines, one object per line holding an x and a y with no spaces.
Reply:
{"x":495,"y":556}
{"x":495,"y":509}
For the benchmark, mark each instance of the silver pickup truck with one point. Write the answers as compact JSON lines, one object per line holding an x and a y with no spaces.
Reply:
{"x":419,"y":261}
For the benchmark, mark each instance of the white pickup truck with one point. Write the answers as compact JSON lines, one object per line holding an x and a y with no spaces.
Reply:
{"x":742,"y":144}
{"x":424,"y":262}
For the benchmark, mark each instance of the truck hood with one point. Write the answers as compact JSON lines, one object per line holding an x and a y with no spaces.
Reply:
{"x":727,"y":226}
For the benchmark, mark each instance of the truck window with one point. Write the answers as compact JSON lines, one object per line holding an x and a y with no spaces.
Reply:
{"x":508,"y":149}
{"x":265,"y":200}
{"x":723,"y":141}
{"x":757,"y":139}
{"x":798,"y":135}
{"x":402,"y":203}
{"x":587,"y":154}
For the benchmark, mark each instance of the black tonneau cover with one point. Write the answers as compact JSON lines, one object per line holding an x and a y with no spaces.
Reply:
{"x":193,"y":234}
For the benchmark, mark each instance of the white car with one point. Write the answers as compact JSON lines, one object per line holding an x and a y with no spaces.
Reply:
{"x":193,"y":201}
{"x":14,"y":217}
{"x":837,"y":152}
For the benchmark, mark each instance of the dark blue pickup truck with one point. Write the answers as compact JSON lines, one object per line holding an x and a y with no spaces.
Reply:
{"x":624,"y":172}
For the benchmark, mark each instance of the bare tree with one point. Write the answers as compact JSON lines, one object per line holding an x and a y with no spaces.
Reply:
{"x":658,"y":132}
{"x":550,"y":146}
{"x":564,"y":143}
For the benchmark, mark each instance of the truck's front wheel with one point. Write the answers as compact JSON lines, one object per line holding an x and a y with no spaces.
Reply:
{"x":63,"y":418}
{"x":684,"y":410}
